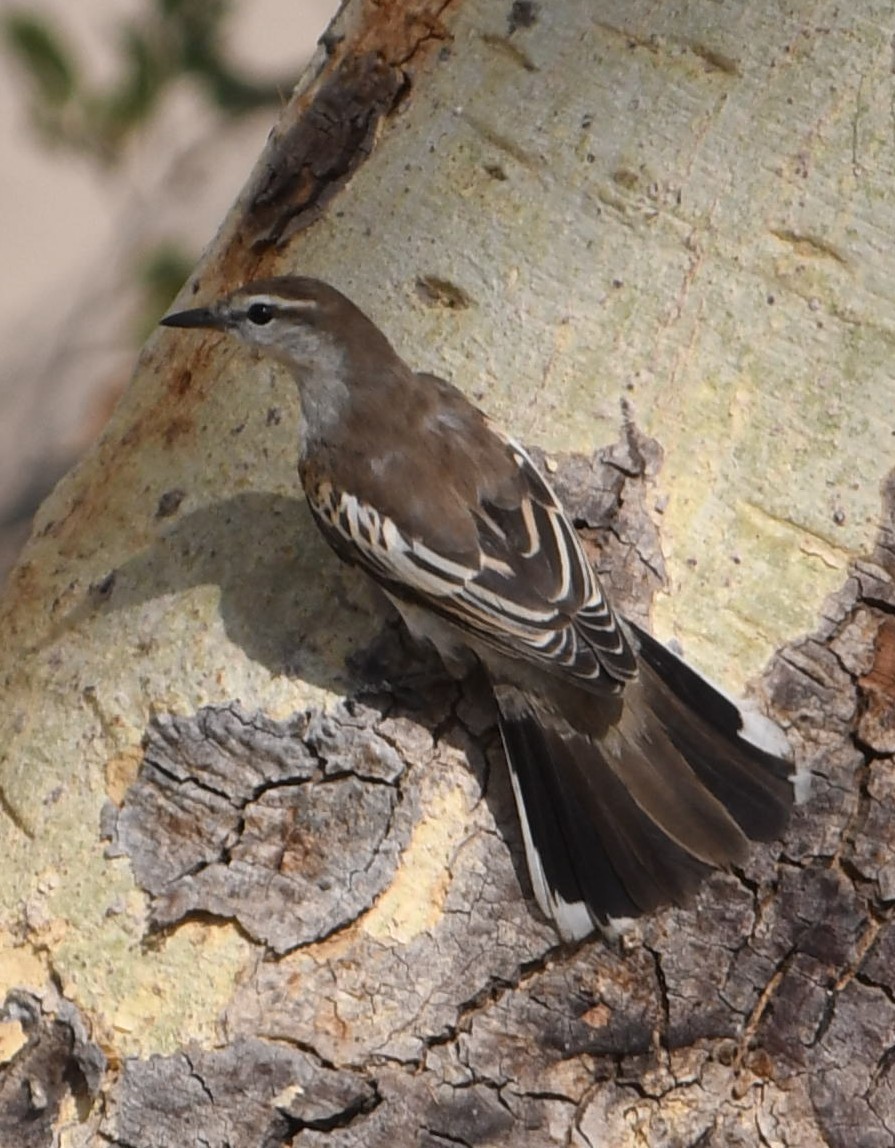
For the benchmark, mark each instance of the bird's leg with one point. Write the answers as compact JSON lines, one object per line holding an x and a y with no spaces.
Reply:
{"x":397,"y":664}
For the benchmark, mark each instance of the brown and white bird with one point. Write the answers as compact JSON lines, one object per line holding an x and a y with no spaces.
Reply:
{"x":633,"y":776}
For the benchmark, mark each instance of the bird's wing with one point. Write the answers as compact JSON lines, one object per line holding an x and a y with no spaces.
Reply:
{"x":531,"y":593}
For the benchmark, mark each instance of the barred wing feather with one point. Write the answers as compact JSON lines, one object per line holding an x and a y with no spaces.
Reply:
{"x":532,"y":593}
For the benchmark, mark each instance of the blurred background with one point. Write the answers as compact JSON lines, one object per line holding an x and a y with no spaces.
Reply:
{"x":126,"y":131}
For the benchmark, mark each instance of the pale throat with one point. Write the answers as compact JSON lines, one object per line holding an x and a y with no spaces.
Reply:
{"x":318,"y":367}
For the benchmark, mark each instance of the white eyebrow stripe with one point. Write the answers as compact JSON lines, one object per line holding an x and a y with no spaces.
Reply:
{"x":279,"y":303}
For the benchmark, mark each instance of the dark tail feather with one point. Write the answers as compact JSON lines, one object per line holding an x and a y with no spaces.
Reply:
{"x":753,"y":783}
{"x":591,"y":861}
{"x":618,"y":821}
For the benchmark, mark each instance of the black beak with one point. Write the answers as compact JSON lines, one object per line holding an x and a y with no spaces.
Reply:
{"x":200,"y":317}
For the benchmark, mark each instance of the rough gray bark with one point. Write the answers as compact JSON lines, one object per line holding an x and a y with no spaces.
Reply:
{"x":260,"y":891}
{"x":293,"y":845}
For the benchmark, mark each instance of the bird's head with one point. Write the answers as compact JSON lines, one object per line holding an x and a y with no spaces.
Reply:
{"x":300,"y":321}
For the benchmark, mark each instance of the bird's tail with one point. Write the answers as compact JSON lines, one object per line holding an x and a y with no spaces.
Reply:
{"x":627,"y":804}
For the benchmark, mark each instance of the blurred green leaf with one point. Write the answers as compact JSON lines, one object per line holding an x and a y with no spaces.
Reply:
{"x":42,"y":54}
{"x":143,"y":79}
{"x":169,"y":39}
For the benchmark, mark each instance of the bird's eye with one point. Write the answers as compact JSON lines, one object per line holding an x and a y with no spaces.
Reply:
{"x":260,"y":314}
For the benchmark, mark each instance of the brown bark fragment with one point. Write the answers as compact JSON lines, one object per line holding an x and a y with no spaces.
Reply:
{"x":290,"y":828}
{"x":318,"y":154}
{"x":367,"y":75}
{"x":56,"y":1061}
{"x":876,"y":727}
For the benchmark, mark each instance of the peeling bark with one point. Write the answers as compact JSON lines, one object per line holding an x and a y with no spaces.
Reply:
{"x":246,"y":1095}
{"x":292,"y":829}
{"x":55,"y":1060}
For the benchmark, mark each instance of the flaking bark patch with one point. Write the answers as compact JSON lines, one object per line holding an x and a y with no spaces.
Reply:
{"x":877,"y":725}
{"x":315,"y":158}
{"x":57,"y":1060}
{"x":251,"y":1094}
{"x":290,"y":828}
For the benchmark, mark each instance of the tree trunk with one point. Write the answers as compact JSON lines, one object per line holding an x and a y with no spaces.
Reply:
{"x":654,"y":242}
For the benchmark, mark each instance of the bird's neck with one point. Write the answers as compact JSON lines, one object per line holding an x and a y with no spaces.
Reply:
{"x":322,"y":412}
{"x":346,"y":388}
